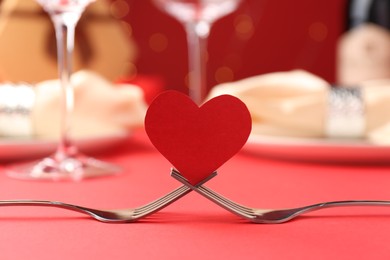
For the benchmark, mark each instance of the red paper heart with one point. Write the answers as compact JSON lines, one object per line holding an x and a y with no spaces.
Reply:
{"x":197,"y":140}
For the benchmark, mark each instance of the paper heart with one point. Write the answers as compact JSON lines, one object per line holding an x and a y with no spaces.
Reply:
{"x":197,"y":140}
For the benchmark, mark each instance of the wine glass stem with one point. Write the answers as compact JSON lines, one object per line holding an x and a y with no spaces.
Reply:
{"x":64,"y":25}
{"x":197,"y":34}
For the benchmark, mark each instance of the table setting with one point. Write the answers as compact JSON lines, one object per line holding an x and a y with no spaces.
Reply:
{"x":273,"y":166}
{"x":102,"y":131}
{"x":302,"y":118}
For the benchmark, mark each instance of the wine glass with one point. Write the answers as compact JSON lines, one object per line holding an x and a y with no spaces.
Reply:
{"x":197,"y":17}
{"x":67,"y":162}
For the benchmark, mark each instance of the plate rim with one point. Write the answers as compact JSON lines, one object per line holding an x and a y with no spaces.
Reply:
{"x":357,"y":151}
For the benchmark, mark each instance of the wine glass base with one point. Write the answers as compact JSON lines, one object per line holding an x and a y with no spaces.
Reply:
{"x":69,"y":168}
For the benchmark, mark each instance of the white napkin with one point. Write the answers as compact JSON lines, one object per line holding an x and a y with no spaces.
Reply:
{"x":101,"y":107}
{"x":294,"y":104}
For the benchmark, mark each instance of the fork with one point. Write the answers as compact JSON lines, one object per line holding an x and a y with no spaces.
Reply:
{"x":270,"y":216}
{"x":113,"y":215}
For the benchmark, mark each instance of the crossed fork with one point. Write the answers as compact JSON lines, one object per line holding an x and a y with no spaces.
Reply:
{"x":269,"y":216}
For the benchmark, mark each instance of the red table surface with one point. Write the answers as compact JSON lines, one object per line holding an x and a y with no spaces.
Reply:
{"x":193,"y":227}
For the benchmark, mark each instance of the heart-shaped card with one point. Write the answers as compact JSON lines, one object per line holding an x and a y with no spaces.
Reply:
{"x":197,"y":140}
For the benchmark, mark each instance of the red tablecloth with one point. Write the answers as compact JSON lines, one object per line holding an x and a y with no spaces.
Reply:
{"x":193,"y":227}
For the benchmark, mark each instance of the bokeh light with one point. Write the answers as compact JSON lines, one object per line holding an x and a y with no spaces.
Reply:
{"x":243,"y":26}
{"x":318,"y":31}
{"x":119,"y":9}
{"x":158,"y":42}
{"x":224,"y":74}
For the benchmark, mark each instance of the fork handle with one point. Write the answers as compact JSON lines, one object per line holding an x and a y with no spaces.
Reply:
{"x":284,"y":215}
{"x":45,"y":203}
{"x":343,"y":203}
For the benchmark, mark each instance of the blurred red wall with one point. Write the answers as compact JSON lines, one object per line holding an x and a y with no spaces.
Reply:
{"x":261,"y":36}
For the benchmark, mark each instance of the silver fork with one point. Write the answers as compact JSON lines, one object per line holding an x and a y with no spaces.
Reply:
{"x":270,"y":216}
{"x":113,"y":215}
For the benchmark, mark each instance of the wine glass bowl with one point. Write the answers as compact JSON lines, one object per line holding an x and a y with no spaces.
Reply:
{"x":197,"y":10}
{"x":67,"y":162}
{"x":62,"y":6}
{"x":197,"y":16}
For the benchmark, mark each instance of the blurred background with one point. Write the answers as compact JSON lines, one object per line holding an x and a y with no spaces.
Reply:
{"x":261,"y":36}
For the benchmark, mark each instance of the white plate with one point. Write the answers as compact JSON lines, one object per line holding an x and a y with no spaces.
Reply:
{"x":17,"y":149}
{"x":318,"y":150}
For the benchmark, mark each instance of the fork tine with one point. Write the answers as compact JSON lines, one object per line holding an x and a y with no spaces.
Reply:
{"x":228,"y":201}
{"x":175,"y":194}
{"x":215,"y":197}
{"x":167,"y":199}
{"x":228,"y":206}
{"x":222,"y":198}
